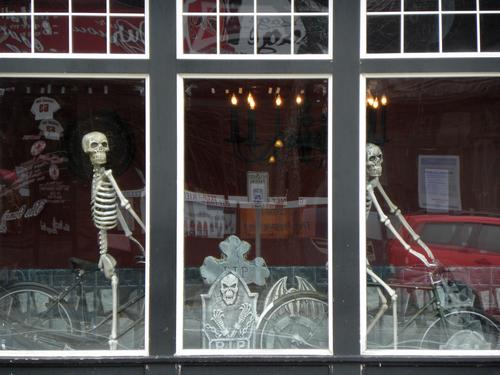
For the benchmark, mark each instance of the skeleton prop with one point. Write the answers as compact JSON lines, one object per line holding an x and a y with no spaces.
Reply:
{"x":106,"y":214}
{"x":374,"y":160}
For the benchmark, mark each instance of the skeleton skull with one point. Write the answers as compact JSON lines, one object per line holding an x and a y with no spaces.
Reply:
{"x":95,"y":144}
{"x":229,"y":289}
{"x":374,"y":160}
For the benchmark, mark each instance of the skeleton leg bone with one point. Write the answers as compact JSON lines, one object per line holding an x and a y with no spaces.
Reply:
{"x":114,"y":323}
{"x":107,"y":264}
{"x":383,"y":304}
{"x":383,"y":308}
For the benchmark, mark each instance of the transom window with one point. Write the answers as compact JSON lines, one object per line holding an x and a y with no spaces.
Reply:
{"x":45,"y":28}
{"x":465,"y":27}
{"x":255,"y":27}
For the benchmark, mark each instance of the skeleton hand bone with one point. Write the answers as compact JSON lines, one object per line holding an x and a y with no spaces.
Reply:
{"x":218,"y":317}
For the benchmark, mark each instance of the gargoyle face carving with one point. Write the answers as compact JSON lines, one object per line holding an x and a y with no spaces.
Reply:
{"x":229,"y":289}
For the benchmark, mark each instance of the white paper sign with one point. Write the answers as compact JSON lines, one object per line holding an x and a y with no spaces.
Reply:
{"x":258,"y":187}
{"x":439,"y":182}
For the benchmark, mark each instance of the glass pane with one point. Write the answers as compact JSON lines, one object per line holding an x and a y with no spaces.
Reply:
{"x":383,"y":5}
{"x":199,"y":6}
{"x":421,"y":5}
{"x":489,"y":4}
{"x":273,"y":35}
{"x":127,"y":35}
{"x":311,"y":35}
{"x":51,"y":5}
{"x":383,"y":34}
{"x":237,"y":6}
{"x":46,"y":228}
{"x":15,"y":34}
{"x":200,"y":34}
{"x":11,"y":6}
{"x":490,"y":32}
{"x":126,"y":6}
{"x":272,"y":6}
{"x":450,"y":5}
{"x":488,"y":238}
{"x":89,"y":6}
{"x":459,"y":33}
{"x":89,"y":34}
{"x":51,"y":34}
{"x":236,"y":35}
{"x":256,"y":214}
{"x":311,"y":6}
{"x":421,"y":34}
{"x":433,"y":152}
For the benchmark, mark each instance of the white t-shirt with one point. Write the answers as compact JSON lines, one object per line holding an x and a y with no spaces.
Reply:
{"x":51,"y":129}
{"x":43,"y":108}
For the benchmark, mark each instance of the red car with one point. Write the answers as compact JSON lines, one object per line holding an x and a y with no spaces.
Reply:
{"x":456,"y":241}
{"x":467,"y":247}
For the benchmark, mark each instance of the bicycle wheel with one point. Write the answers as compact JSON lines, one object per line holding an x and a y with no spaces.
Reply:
{"x":32,"y":317}
{"x":461,"y":330}
{"x":297,"y":320}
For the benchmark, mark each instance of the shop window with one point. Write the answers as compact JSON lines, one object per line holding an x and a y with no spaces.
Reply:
{"x":70,"y":148}
{"x":432,"y":214}
{"x":437,"y":27}
{"x":42,"y":28}
{"x":262,"y":29}
{"x":255,"y":231}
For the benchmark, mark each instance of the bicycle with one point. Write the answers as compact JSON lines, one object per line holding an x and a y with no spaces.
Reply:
{"x":448,"y":319}
{"x":34,"y":316}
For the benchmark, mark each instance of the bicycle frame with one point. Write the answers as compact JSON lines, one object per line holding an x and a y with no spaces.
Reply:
{"x":434,"y":303}
{"x":85,"y":336}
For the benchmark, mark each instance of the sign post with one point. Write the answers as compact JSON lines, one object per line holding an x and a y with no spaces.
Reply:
{"x":258,"y":193}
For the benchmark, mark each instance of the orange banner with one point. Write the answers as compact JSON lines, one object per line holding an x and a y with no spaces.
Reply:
{"x":274,"y":223}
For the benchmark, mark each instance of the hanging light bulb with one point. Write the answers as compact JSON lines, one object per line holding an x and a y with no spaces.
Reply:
{"x":298,"y":99}
{"x":272,"y":159}
{"x":278,"y":100}
{"x":278,"y":143}
{"x":383,"y":100}
{"x":251,"y":101}
{"x":234,"y":100}
{"x":370,"y":100}
{"x":375,"y":103}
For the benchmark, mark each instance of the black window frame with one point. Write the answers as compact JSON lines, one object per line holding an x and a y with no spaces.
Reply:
{"x":163,"y":67}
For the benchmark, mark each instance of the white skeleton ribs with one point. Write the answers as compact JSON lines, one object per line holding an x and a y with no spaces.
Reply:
{"x":106,"y":215}
{"x":374,"y":160}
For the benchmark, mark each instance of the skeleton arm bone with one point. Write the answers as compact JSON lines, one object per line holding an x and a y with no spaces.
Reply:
{"x":396,"y":211}
{"x":385,"y":220}
{"x":123,"y":201}
{"x":127,"y":230}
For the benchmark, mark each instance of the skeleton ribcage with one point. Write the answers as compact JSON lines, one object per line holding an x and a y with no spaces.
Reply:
{"x":104,"y":207}
{"x":368,"y":204}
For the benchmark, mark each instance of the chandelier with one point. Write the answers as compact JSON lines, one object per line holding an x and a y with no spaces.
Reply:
{"x":376,"y":112}
{"x":286,"y":138}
